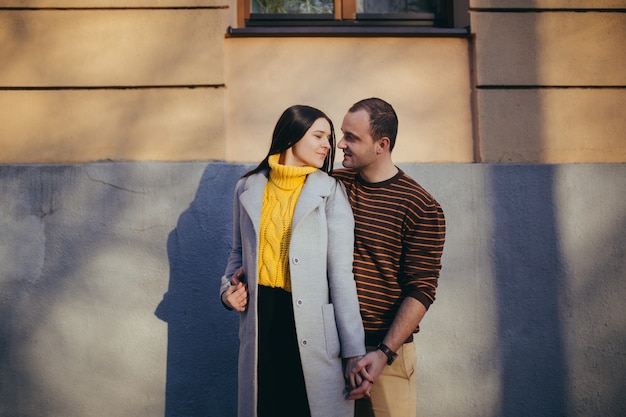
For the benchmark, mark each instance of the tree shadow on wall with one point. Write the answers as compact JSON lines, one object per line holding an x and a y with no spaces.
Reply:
{"x":530,"y":279}
{"x":202,"y":335}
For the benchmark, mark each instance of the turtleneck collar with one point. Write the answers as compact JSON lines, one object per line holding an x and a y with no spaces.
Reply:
{"x":287,"y":176}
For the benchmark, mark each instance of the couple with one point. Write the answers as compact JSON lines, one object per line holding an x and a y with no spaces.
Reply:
{"x":306,"y":241}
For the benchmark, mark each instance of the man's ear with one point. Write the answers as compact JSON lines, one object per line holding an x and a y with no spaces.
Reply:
{"x":382,"y":144}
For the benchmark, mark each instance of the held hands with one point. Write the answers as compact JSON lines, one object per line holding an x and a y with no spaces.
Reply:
{"x":352,"y":380}
{"x":362,"y":373}
{"x":236,"y":296}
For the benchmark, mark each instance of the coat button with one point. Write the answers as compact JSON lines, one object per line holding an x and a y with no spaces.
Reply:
{"x":304,"y":342}
{"x":296,"y":261}
{"x":299,"y":302}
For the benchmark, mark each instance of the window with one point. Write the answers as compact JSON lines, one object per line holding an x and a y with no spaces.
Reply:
{"x":363,"y":13}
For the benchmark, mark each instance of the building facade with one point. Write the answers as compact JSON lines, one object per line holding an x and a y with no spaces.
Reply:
{"x":124,"y":125}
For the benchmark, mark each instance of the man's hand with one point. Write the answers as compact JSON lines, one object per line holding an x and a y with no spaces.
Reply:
{"x":236,"y":296}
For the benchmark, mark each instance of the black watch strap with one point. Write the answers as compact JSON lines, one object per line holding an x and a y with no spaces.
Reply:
{"x":391,"y":355}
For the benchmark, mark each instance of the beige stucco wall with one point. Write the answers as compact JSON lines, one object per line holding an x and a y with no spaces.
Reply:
{"x":165,"y":84}
{"x":96,"y":4}
{"x":112,"y":47}
{"x":552,"y":125}
{"x":121,"y":84}
{"x":426,"y":80}
{"x":550,"y":48}
{"x":70,"y":126}
{"x":159,"y":80}
{"x":547,"y":4}
{"x":550,"y":83}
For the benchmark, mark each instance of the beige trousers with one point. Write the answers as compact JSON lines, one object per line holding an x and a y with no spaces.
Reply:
{"x":395,"y":392}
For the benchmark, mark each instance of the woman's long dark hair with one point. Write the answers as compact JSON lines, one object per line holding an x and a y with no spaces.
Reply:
{"x":290,"y":128}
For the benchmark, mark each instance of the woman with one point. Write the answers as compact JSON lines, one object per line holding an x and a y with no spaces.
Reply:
{"x":293,"y":235}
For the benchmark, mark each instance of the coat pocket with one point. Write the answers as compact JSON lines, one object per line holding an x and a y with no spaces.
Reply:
{"x":333,"y":347}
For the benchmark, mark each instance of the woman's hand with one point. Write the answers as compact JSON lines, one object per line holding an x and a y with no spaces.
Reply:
{"x":368,"y":369}
{"x":352,"y":380}
{"x":356,"y":386}
{"x":236,"y":296}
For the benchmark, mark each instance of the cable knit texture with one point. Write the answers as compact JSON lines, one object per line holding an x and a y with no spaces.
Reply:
{"x":279,"y":202}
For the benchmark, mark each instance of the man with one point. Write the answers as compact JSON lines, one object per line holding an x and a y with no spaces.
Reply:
{"x":399,"y":238}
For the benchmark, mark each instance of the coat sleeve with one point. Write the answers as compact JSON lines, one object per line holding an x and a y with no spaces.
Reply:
{"x":234,"y":259}
{"x":340,"y":277}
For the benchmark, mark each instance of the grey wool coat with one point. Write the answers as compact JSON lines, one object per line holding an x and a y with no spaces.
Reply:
{"x":326,"y":310}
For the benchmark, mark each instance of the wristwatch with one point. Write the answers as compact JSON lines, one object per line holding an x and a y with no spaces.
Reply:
{"x":391,"y":355}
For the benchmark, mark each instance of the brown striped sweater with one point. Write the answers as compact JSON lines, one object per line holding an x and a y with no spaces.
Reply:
{"x":399,"y":237}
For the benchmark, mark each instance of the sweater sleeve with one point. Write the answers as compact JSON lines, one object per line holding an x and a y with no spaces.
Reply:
{"x":423,"y":248}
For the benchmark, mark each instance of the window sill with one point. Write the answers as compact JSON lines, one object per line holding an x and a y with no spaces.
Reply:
{"x":348,"y":31}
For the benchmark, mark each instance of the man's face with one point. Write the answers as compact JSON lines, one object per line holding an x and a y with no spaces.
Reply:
{"x":357,"y":144}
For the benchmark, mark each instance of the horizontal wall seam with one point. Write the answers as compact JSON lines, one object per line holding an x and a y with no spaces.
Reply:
{"x":113,"y":8}
{"x":111,"y":87}
{"x":537,"y":10}
{"x":549,"y":87}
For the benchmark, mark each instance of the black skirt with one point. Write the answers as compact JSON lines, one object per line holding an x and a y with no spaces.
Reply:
{"x":281,"y":388}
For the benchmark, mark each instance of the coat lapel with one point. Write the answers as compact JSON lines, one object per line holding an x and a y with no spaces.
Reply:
{"x":313,"y":193}
{"x":251,"y":198}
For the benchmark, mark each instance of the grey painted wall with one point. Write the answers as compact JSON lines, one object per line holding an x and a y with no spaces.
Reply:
{"x":109,"y":275}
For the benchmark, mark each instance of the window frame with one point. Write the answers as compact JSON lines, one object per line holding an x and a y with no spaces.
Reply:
{"x":345,"y":14}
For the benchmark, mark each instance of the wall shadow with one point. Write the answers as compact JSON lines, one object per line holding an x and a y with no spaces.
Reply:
{"x":202,"y":335}
{"x":529,"y":280}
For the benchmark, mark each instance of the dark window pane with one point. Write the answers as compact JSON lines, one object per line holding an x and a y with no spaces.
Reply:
{"x":396,"y":6}
{"x":293,"y":6}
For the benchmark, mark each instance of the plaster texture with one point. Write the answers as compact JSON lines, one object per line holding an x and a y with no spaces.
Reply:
{"x":70,"y":126}
{"x":111,"y":47}
{"x":550,"y":49}
{"x":95,"y":4}
{"x":547,"y":4}
{"x":109,"y":276}
{"x":420,"y":77}
{"x":552,"y":125}
{"x":549,"y":83}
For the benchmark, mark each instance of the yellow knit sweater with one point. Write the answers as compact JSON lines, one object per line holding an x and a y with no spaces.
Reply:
{"x":281,"y":195}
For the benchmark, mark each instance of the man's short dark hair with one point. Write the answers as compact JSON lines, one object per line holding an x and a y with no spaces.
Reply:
{"x":383,"y":118}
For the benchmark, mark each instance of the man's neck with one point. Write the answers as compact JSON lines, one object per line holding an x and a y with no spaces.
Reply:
{"x":383,"y":172}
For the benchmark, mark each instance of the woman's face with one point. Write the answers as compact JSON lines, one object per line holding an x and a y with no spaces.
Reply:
{"x":312,"y":149}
